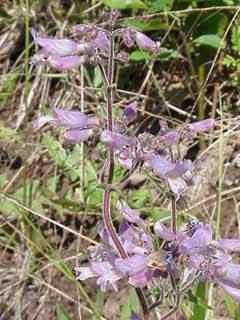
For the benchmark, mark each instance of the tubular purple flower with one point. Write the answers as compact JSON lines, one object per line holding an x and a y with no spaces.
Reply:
{"x":74,"y":119}
{"x":116,"y":141}
{"x":166,"y":169}
{"x":232,"y":291}
{"x":130,"y":112}
{"x":77,"y":136}
{"x":59,"y":47}
{"x":132,"y":265}
{"x":107,"y":275}
{"x":201,"y":126}
{"x":129,"y":37}
{"x":171,"y":137}
{"x":65,"y":63}
{"x":140,"y":279}
{"x":199,"y":241}
{"x":163,"y":232}
{"x":129,"y":214}
{"x":101,"y":41}
{"x":145,"y":43}
{"x":229,"y":274}
{"x":232,"y":245}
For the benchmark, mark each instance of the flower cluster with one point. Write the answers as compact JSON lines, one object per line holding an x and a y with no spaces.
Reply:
{"x":129,"y":254}
{"x":105,"y":264}
{"x":205,"y":256}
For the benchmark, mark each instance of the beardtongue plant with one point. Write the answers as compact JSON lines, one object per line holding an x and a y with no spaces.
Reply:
{"x":129,"y":253}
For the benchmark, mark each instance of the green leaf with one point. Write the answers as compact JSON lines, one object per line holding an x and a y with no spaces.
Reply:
{"x":62,"y":313}
{"x":125,"y":4}
{"x":159,"y":5}
{"x":231,"y":306}
{"x":200,"y":303}
{"x":138,"y":55}
{"x":211,"y":40}
{"x":8,"y":86}
{"x":235,"y":39}
{"x":132,"y":305}
{"x":168,"y":54}
{"x":55,"y":150}
{"x":146,"y":25}
{"x":159,"y":214}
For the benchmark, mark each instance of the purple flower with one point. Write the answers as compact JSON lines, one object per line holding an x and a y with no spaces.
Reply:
{"x":65,"y":63}
{"x":58,"y":47}
{"x":132,"y":265}
{"x":107,"y":276}
{"x":79,"y":126}
{"x":106,"y":266}
{"x":61,"y":54}
{"x":145,"y":43}
{"x":201,"y":126}
{"x":167,"y":169}
{"x":122,"y":56}
{"x":170,"y":172}
{"x":135,"y":316}
{"x":166,"y":234}
{"x":116,"y":141}
{"x":129,"y":37}
{"x":130,"y":112}
{"x":129,"y":214}
{"x":207,"y":256}
{"x":232,"y":245}
{"x":170,"y":138}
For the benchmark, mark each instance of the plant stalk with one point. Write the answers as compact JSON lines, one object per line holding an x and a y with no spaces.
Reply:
{"x":107,"y":193}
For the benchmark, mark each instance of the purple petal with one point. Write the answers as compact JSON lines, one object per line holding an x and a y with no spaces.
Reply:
{"x":101,"y":41}
{"x":58,"y":47}
{"x":84,"y":273}
{"x":145,"y":43}
{"x":199,"y":241}
{"x":132,"y":265}
{"x":122,"y":56}
{"x":140,"y":279}
{"x":65,"y":63}
{"x":163,"y":232}
{"x":232,"y":245}
{"x":129,"y":214}
{"x":130,"y":112}
{"x":171,"y":137}
{"x":229,"y":274}
{"x":177,"y":186}
{"x":84,"y":28}
{"x":74,"y":119}
{"x":107,"y":275}
{"x":180,"y":168}
{"x":232,"y":291}
{"x":128,"y":38}
{"x":160,"y":165}
{"x":76,"y":135}
{"x":41,"y":121}
{"x":116,"y":140}
{"x":135,"y":316}
{"x":202,"y":126}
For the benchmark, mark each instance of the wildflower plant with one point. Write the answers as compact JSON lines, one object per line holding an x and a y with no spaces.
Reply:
{"x":129,"y":253}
